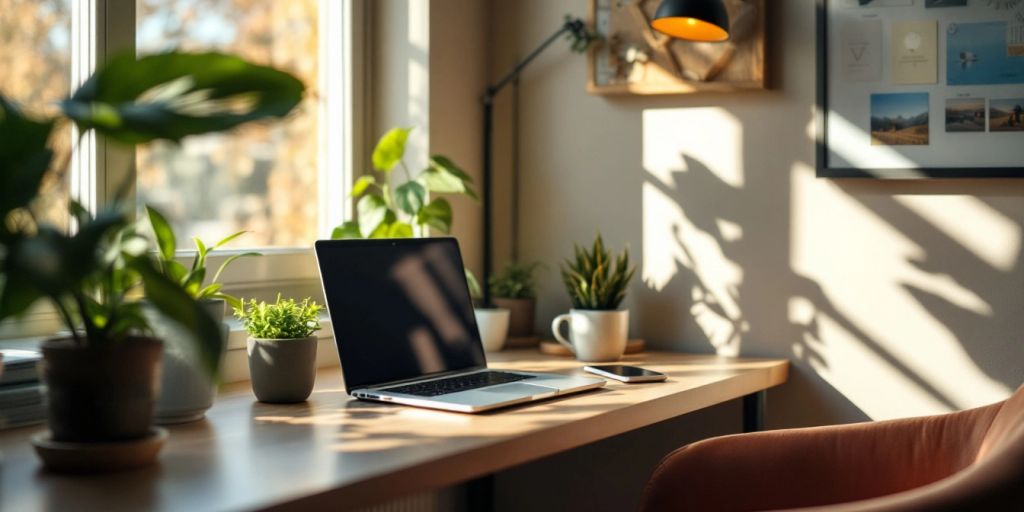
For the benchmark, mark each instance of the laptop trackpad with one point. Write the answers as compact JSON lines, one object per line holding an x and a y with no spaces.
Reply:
{"x":517,"y":389}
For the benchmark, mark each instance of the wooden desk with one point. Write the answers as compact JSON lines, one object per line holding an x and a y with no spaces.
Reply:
{"x":344,"y":453}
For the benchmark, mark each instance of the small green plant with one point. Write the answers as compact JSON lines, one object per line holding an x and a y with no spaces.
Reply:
{"x":593,"y":280}
{"x":515,"y":281}
{"x":284,"y":319}
{"x":475,"y":290}
{"x":403,"y":212}
{"x":191,"y":279}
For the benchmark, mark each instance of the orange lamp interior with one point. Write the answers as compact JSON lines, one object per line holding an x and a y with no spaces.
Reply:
{"x":691,"y":29}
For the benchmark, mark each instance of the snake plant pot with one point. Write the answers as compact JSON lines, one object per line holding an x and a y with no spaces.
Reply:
{"x":186,"y":389}
{"x":282,"y":371}
{"x":101,"y":394}
{"x":520,"y":321}
{"x":493,"y":326}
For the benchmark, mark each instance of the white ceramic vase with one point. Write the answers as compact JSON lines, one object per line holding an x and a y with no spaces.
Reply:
{"x":493,"y":325}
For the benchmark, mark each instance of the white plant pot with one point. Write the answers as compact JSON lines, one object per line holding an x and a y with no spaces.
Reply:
{"x":186,"y":390}
{"x":493,"y":325}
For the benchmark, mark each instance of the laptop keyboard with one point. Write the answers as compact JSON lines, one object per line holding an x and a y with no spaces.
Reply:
{"x":460,"y":383}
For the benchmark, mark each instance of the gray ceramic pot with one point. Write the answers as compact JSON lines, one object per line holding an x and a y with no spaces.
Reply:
{"x":282,"y":371}
{"x":186,"y":390}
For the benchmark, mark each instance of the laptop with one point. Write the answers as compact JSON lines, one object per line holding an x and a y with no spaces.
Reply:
{"x":404,"y":325}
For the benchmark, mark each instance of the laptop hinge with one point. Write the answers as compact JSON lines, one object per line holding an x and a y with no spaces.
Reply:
{"x":421,"y":378}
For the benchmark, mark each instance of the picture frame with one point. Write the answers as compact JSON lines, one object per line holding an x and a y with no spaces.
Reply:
{"x":876,"y":129}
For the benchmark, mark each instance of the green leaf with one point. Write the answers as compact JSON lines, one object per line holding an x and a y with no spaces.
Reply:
{"x":174,"y":95}
{"x":175,"y":270}
{"x":410,"y":197}
{"x":17,"y":294}
{"x":437,"y":214}
{"x":201,"y":250}
{"x":230,"y":260}
{"x":163,"y":233}
{"x":445,"y":177}
{"x":348,"y":230}
{"x":399,"y":230}
{"x":383,"y":230}
{"x":362,"y":184}
{"x":390,"y":149}
{"x":227,"y":239}
{"x":372,"y":212}
{"x":24,"y":157}
{"x":172,"y":301}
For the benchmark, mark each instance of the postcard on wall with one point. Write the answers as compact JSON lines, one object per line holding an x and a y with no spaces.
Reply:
{"x":899,"y":119}
{"x":914,"y":52}
{"x":965,"y":114}
{"x":978,"y":54}
{"x":1006,"y":115}
{"x":861,"y":45}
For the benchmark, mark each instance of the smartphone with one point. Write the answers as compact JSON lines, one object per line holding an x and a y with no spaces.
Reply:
{"x":626,"y":373}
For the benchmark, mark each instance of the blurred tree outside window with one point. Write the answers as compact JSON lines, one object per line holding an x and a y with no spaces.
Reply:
{"x":264,"y":178}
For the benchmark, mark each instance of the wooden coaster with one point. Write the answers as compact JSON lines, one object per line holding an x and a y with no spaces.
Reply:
{"x":554,"y":348}
{"x":522,"y":342}
{"x":99,"y":457}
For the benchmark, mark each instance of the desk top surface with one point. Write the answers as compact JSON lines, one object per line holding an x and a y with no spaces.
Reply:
{"x":332,"y":449}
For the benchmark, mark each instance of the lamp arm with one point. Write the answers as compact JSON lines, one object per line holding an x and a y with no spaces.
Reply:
{"x":573,"y":25}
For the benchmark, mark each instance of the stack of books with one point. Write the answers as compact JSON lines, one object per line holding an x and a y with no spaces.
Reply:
{"x":21,"y":392}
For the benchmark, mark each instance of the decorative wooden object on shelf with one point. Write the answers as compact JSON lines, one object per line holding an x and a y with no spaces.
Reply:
{"x":634,"y":59}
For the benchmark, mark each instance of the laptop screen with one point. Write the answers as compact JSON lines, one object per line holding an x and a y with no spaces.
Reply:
{"x":400,"y":308}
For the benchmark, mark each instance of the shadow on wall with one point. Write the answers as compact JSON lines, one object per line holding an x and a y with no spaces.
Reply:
{"x":898,"y":299}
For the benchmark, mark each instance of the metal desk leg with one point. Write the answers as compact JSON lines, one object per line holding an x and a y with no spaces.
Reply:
{"x":480,"y":494}
{"x":753,"y":411}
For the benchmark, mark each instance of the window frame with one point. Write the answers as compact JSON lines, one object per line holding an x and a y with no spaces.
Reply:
{"x":101,"y":29}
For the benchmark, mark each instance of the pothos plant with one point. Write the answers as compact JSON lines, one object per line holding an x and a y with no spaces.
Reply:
{"x":95,"y":275}
{"x":403,"y":210}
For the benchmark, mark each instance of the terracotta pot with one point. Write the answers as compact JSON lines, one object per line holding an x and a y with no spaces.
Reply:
{"x":520,"y":324}
{"x":282,"y":371}
{"x":101,"y":394}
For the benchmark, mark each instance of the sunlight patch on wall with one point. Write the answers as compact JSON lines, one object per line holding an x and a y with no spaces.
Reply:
{"x":709,"y":135}
{"x":868,"y":334}
{"x":672,"y":242}
{"x":987,"y":233}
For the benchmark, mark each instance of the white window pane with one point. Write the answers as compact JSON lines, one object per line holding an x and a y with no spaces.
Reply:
{"x":261,"y":178}
{"x":35,"y":56}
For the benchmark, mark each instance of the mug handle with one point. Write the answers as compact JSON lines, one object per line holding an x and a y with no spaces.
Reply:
{"x":556,"y":328}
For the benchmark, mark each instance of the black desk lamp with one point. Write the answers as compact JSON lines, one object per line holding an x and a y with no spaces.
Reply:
{"x":693,"y":20}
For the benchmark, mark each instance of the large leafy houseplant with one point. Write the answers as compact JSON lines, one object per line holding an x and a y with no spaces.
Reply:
{"x":405,"y":209}
{"x":95,"y":275}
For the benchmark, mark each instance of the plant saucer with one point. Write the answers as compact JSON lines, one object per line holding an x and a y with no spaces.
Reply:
{"x":104,"y":457}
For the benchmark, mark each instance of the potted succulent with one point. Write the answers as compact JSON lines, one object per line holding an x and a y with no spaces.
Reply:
{"x":598,"y":329}
{"x":102,"y":375}
{"x":492,"y":321}
{"x":514,"y":289}
{"x":186,"y":389}
{"x":387,"y":210}
{"x":281,"y":347}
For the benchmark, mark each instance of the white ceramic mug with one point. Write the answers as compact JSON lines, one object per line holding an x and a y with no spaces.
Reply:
{"x":594,"y":335}
{"x":493,"y":326}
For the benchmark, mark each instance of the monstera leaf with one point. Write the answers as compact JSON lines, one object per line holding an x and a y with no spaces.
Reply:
{"x":24,"y":157}
{"x":174,"y":95}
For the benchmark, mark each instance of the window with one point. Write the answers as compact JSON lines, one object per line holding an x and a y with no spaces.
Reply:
{"x":284,"y":182}
{"x":35,"y":54}
{"x":262,"y":178}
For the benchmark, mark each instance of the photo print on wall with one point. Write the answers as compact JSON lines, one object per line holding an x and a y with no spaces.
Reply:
{"x":899,"y":119}
{"x":1006,"y":115}
{"x":965,"y":115}
{"x":978,"y":54}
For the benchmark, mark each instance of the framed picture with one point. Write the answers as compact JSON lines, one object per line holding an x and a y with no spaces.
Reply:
{"x":920,"y":89}
{"x":634,"y":59}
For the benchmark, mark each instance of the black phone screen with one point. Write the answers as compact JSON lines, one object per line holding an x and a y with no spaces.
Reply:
{"x":626,"y":371}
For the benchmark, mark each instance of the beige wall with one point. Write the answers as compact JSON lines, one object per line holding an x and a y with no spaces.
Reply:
{"x":891,"y":298}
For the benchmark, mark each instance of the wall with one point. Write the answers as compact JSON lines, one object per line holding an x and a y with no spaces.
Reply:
{"x":890,"y":298}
